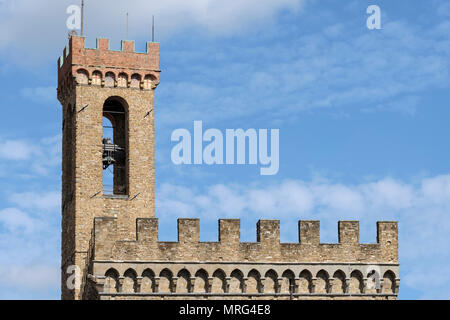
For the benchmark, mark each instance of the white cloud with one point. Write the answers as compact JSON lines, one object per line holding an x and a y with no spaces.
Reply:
{"x":437,"y":286}
{"x":294,"y":198}
{"x":20,"y":19}
{"x":338,"y":197}
{"x":37,"y":200}
{"x":388,"y":70}
{"x":369,"y":71}
{"x":36,"y":158}
{"x":437,"y":189}
{"x":15,"y":150}
{"x":285,"y":199}
{"x":15,"y":220}
{"x":291,"y":196}
{"x":40,"y":94}
{"x":390,"y":193}
{"x":30,"y":247}
{"x":30,"y":277}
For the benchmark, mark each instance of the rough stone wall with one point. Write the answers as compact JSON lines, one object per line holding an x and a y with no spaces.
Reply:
{"x":266,"y":269}
{"x":112,"y":244}
{"x":83,"y":100}
{"x":175,"y":280}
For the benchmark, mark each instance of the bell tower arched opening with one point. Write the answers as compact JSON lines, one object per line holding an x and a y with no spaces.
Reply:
{"x":115,"y":143}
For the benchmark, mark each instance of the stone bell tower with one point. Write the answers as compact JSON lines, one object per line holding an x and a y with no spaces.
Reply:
{"x":94,"y":85}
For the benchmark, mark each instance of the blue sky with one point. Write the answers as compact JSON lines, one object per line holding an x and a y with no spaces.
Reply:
{"x":362,"y":117}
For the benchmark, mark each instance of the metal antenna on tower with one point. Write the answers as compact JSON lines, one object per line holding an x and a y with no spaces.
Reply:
{"x":82,"y":17}
{"x":127,"y":25}
{"x":153,"y":28}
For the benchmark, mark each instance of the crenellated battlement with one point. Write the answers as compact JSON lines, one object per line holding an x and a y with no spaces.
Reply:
{"x":110,"y":243}
{"x":127,"y":57}
{"x":108,"y":68}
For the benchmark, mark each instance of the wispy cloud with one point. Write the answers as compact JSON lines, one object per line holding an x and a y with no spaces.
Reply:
{"x":369,"y":71}
{"x":46,"y":201}
{"x":15,"y":220}
{"x":40,"y":94}
{"x":15,"y":150}
{"x":294,"y":198}
{"x":31,"y":158}
{"x":30,"y":279}
{"x":29,"y":246}
{"x":20,"y":18}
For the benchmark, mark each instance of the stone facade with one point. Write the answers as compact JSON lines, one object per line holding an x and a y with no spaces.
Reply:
{"x":83,"y":97}
{"x":113,"y":238}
